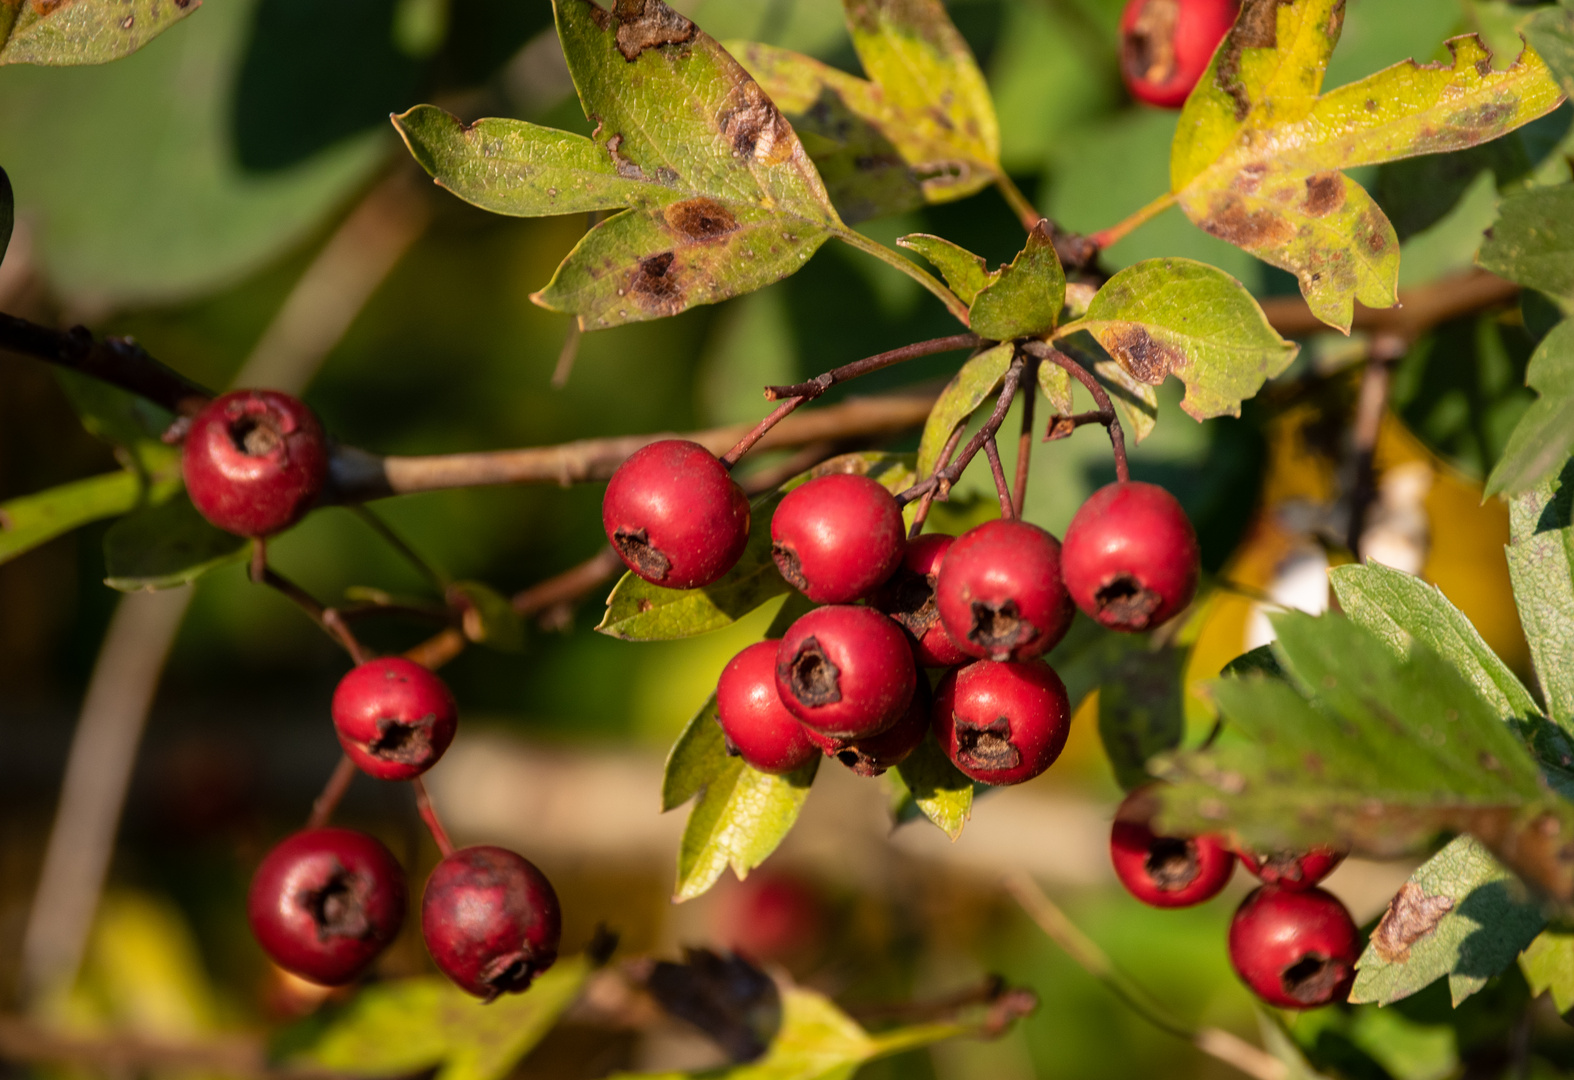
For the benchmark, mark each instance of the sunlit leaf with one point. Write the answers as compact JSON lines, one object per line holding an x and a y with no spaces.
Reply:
{"x":30,"y":520}
{"x":740,"y":818}
{"x":1026,"y":296}
{"x":163,"y":546}
{"x":967,"y":274}
{"x":1541,"y":566}
{"x":1543,"y":440}
{"x":1054,"y":382}
{"x":1548,"y":964}
{"x":934,"y":787}
{"x":698,"y":757}
{"x":977,"y":379}
{"x":1176,"y":316}
{"x":84,"y":31}
{"x":1532,"y":242}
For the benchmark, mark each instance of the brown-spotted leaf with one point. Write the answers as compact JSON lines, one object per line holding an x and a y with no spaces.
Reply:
{"x":75,"y":32}
{"x":722,"y":198}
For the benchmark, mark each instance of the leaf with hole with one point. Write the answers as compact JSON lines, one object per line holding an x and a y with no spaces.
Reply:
{"x":967,"y":274}
{"x":165,"y":546}
{"x":84,"y":31}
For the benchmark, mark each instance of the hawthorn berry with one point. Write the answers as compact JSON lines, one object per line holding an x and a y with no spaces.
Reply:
{"x":1166,"y":46}
{"x":254,"y":461}
{"x":757,"y":725}
{"x":393,"y":717}
{"x":675,"y":516}
{"x":490,"y":920}
{"x":1165,"y":871}
{"x":845,"y":671}
{"x":874,"y":754}
{"x":325,"y":902}
{"x":1002,"y":722}
{"x":1292,"y":871}
{"x":1131,"y":556}
{"x":1296,"y":950}
{"x":909,"y":598}
{"x":999,"y":591}
{"x":837,"y":537}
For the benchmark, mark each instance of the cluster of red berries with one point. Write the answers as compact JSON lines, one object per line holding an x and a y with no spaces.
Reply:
{"x":326,"y":901}
{"x":844,"y":679}
{"x":1166,"y":46}
{"x":1292,"y":943}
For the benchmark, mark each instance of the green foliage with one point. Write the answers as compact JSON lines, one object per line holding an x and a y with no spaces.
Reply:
{"x":1541,"y":566}
{"x":1544,"y":439}
{"x":1550,"y":32}
{"x":1548,"y":964}
{"x":488,"y":618}
{"x":1025,"y":297}
{"x":166,"y":545}
{"x":967,"y":274}
{"x":971,"y":386}
{"x":1175,"y":316}
{"x":927,"y":783}
{"x":30,"y":520}
{"x":1260,"y":153}
{"x":1532,"y":242}
{"x":740,"y":817}
{"x":406,"y":1026}
{"x":1142,"y":711}
{"x":84,"y":31}
{"x":694,"y":759}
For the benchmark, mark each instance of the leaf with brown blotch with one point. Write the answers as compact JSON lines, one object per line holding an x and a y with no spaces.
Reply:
{"x":1259,"y":150}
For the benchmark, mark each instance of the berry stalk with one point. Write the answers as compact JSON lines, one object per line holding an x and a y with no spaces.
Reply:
{"x":428,"y":812}
{"x":1106,"y":414}
{"x":332,"y":793}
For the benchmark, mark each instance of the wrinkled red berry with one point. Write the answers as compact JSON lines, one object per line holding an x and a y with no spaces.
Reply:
{"x":1002,"y":723}
{"x":1292,"y":871}
{"x":1165,"y":871}
{"x":1296,"y":950}
{"x":837,"y":537}
{"x":394,"y":718}
{"x":909,"y":598}
{"x":999,"y":591}
{"x":325,"y":902}
{"x":1131,"y":556}
{"x":875,"y":754}
{"x":758,"y":726}
{"x":675,"y":516}
{"x":845,"y":671}
{"x":1166,"y":46}
{"x":491,"y":921}
{"x":255,"y":461}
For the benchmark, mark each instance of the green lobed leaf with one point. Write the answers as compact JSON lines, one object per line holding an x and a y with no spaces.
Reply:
{"x":1532,"y":242}
{"x":967,"y":274}
{"x":1543,"y":440}
{"x":1258,"y":154}
{"x":84,"y":31}
{"x":488,"y":618}
{"x":740,"y":818}
{"x":935,"y":788}
{"x":966,"y":391}
{"x":1176,"y":316}
{"x":1550,"y":32}
{"x":724,"y":198}
{"x":1142,"y":712}
{"x":1541,"y":567}
{"x":1025,"y":297}
{"x":406,"y":1026}
{"x":1548,"y":964}
{"x":698,"y":757}
{"x":164,"y":546}
{"x":1462,"y":914}
{"x":30,"y":520}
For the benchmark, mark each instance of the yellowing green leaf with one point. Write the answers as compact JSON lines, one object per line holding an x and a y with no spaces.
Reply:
{"x":1055,"y":382}
{"x":1025,"y":297}
{"x":966,"y":273}
{"x":740,"y":818}
{"x":30,"y":520}
{"x":83,"y":31}
{"x":1176,"y":316}
{"x":1548,"y":964}
{"x":977,"y":379}
{"x":698,"y":757}
{"x":931,"y":785}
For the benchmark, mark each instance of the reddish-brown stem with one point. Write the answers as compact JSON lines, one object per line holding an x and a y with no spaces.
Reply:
{"x":1025,"y":440}
{"x":821,"y":383}
{"x":428,"y":812}
{"x":928,"y":498}
{"x":1002,"y":489}
{"x":1107,"y":416}
{"x":332,"y":793}
{"x":325,"y":617}
{"x":118,"y":361}
{"x":942,"y":479}
{"x":745,"y":444}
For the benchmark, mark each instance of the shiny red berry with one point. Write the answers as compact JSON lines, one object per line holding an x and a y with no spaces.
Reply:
{"x":1292,"y":871}
{"x":325,"y":902}
{"x":491,"y":921}
{"x":393,"y":717}
{"x":1131,"y":557}
{"x":255,"y":461}
{"x":1296,"y":950}
{"x":758,"y":726}
{"x":874,"y":754}
{"x":838,"y":537}
{"x":845,"y":671}
{"x":909,"y":598}
{"x":1002,"y":723}
{"x":999,"y":592}
{"x":1166,"y":46}
{"x":1165,"y":871}
{"x":675,"y":516}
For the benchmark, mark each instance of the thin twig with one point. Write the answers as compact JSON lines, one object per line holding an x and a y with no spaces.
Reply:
{"x":1121,"y":229}
{"x":1359,"y":482}
{"x":1002,"y":489}
{"x":325,"y":617}
{"x":1107,"y":415}
{"x":1025,"y":440}
{"x":428,"y":812}
{"x":821,"y":383}
{"x":745,"y":444}
{"x":332,"y":793}
{"x":567,"y":355}
{"x":399,"y":544}
{"x":928,"y":498}
{"x":941,"y":480}
{"x":1228,"y":1048}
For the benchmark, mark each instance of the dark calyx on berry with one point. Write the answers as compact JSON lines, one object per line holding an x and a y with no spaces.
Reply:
{"x":909,"y":598}
{"x":845,"y":671}
{"x":1165,"y":871}
{"x":254,"y":461}
{"x":1296,"y":950}
{"x":1131,"y":558}
{"x":675,"y":516}
{"x":394,"y":718}
{"x":986,"y":747}
{"x":1000,"y":594}
{"x":1002,"y":722}
{"x":634,"y":548}
{"x":999,"y":628}
{"x":491,"y":921}
{"x":814,"y":677}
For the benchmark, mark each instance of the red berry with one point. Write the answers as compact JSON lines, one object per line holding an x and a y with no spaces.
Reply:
{"x":1166,"y":46}
{"x":394,"y":718}
{"x":757,"y":725}
{"x":675,"y":516}
{"x":1002,"y":723}
{"x":491,"y":921}
{"x":1165,"y":871}
{"x":875,"y":754}
{"x":1131,"y":556}
{"x":909,"y":598}
{"x":1296,"y":950}
{"x":837,"y":537}
{"x":845,"y":671}
{"x":1292,"y":871}
{"x":999,"y":592}
{"x":255,"y":461}
{"x":325,"y":902}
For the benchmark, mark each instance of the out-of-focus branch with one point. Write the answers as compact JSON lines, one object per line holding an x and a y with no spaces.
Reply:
{"x":118,"y":361}
{"x":1419,"y":309}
